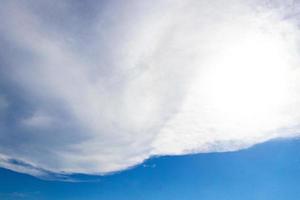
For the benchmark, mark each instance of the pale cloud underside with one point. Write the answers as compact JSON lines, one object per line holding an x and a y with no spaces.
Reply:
{"x":108,"y":91}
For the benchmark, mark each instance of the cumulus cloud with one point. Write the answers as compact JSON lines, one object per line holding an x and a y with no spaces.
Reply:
{"x":99,"y":87}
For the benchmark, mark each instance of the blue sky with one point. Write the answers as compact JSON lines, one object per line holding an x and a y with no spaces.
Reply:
{"x":137,"y":99}
{"x":266,"y":171}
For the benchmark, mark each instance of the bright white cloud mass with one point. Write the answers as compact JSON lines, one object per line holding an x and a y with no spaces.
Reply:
{"x":99,"y":87}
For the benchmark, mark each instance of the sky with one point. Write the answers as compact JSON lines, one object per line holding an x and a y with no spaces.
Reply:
{"x":105,"y":92}
{"x":266,"y":171}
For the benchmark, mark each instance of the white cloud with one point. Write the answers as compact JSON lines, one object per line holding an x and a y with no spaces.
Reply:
{"x":38,"y":119}
{"x":108,"y":91}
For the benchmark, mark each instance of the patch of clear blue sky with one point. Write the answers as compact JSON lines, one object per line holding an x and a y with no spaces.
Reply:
{"x":269,"y":171}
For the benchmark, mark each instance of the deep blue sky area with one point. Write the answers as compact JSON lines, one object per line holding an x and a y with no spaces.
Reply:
{"x":266,"y":171}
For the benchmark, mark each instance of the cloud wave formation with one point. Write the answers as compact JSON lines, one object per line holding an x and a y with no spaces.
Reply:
{"x":99,"y":87}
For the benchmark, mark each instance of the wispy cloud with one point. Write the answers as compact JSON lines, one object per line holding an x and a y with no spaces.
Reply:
{"x":102,"y":87}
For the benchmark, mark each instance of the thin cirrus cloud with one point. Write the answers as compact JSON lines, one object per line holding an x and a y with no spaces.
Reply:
{"x":99,"y":87}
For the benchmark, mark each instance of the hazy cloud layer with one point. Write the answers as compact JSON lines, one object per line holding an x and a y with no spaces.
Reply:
{"x":99,"y":87}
